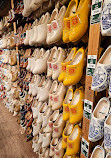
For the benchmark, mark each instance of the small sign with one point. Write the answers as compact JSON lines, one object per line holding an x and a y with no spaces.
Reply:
{"x":91,"y":64}
{"x":87,"y":108}
{"x":84,"y":147}
{"x":96,"y":11}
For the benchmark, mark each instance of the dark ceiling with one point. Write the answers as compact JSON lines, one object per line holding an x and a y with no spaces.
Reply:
{"x":5,"y":6}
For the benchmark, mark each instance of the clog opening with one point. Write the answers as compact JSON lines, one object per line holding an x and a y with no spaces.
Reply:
{"x":42,"y":110}
{"x":59,"y":121}
{"x":47,"y":112}
{"x":46,"y":134}
{"x":59,"y":145}
{"x":62,"y":12}
{"x":98,"y":153}
{"x":70,"y":56}
{"x":75,"y":98}
{"x":106,"y":59}
{"x":74,"y":134}
{"x":68,"y":97}
{"x":77,"y":58}
{"x":54,"y":54}
{"x":54,"y":141}
{"x":109,"y":156}
{"x":101,"y":110}
{"x":108,"y":121}
{"x":68,"y":130}
{"x":54,"y":116}
{"x":53,"y":88}
{"x":54,"y":15}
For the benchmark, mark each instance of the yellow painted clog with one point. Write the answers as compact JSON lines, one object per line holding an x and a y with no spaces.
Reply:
{"x":76,"y":106}
{"x":74,"y":156}
{"x":72,"y":7}
{"x":73,"y":141}
{"x":79,"y":21}
{"x":67,"y":131}
{"x":74,"y":70}
{"x":66,"y":103}
{"x":65,"y":63}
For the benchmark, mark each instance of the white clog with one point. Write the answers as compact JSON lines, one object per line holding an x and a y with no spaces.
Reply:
{"x":58,"y":127}
{"x":41,"y":152}
{"x":105,"y":18}
{"x":52,"y":119}
{"x":59,"y":151}
{"x":35,"y":138}
{"x":98,"y":152}
{"x":53,"y":56}
{"x":36,"y":108}
{"x":108,"y":155}
{"x":58,"y":97}
{"x":96,"y":127}
{"x":41,"y":112}
{"x":34,"y":39}
{"x":57,"y":26}
{"x":46,"y":140}
{"x":41,"y":133}
{"x":36,"y":145}
{"x":41,"y":63}
{"x":49,"y":26}
{"x":32,"y":85}
{"x":53,"y":145}
{"x":52,"y":91}
{"x":42,"y":30}
{"x":37,"y":86}
{"x":43,"y":92}
{"x":46,"y":116}
{"x":101,"y":74}
{"x":36,"y":127}
{"x":46,"y":154}
{"x":56,"y":65}
{"x":107,"y":133}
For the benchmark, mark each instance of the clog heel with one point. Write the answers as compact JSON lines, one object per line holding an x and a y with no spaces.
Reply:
{"x":74,"y":70}
{"x":79,"y":21}
{"x":76,"y":107}
{"x":72,"y":7}
{"x":73,"y":141}
{"x":65,"y":63}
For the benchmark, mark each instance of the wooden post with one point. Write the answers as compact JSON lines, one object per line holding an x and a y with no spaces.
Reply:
{"x":15,"y":31}
{"x":93,"y":47}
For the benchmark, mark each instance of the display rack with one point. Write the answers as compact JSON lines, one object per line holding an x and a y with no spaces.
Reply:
{"x":92,"y":58}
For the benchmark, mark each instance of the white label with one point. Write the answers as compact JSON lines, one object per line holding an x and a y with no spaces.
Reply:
{"x":85,"y":147}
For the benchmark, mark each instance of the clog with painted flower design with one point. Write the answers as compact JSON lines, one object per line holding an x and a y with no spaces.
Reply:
{"x":66,"y":133}
{"x":79,"y":21}
{"x":73,"y":141}
{"x":72,"y":7}
{"x":65,"y":63}
{"x":74,"y":70}
{"x":66,"y":102}
{"x":76,"y":106}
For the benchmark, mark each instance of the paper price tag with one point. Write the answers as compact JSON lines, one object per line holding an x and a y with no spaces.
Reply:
{"x":84,"y":147}
{"x":96,"y":11}
{"x":91,"y":64}
{"x":87,"y":108}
